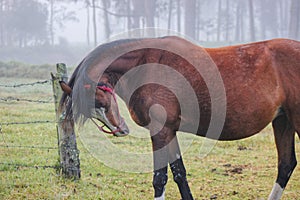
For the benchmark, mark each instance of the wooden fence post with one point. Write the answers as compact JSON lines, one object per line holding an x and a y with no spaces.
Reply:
{"x":68,"y":152}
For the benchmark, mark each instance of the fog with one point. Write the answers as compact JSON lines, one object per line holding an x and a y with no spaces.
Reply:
{"x":50,"y":31}
{"x":75,"y":31}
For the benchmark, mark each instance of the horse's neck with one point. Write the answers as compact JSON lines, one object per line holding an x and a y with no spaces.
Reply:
{"x":122,"y":83}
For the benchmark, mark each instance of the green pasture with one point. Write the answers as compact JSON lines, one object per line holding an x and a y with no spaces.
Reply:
{"x":244,"y":169}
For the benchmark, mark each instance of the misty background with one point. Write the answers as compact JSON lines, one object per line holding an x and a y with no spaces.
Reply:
{"x":52,"y":31}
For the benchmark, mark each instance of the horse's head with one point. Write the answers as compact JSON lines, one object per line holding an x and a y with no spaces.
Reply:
{"x":105,"y":108}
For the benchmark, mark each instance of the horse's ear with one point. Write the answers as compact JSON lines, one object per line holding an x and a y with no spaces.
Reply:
{"x":67,"y":89}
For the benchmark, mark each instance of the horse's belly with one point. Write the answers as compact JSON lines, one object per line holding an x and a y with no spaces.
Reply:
{"x":246,"y":117}
{"x":247,"y":113}
{"x":238,"y":126}
{"x":245,"y":126}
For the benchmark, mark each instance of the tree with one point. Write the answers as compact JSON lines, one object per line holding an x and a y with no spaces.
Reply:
{"x":107,"y":31}
{"x":87,"y":7}
{"x":251,"y":20}
{"x":137,"y":12}
{"x":2,"y":17}
{"x":228,"y":21}
{"x":178,"y":16}
{"x":237,"y":36}
{"x":149,"y":8}
{"x":283,"y":15}
{"x":190,"y":18}
{"x":51,"y":22}
{"x":94,"y":22}
{"x":219,"y":19}
{"x":59,"y":14}
{"x":170,"y":14}
{"x":26,"y":23}
{"x":294,"y":19}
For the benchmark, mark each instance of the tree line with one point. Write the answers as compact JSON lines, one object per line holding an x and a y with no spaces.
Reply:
{"x":36,"y":22}
{"x":31,"y":22}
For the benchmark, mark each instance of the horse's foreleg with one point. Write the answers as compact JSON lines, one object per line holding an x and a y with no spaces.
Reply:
{"x":178,"y":170}
{"x":160,"y":160}
{"x":285,"y":143}
{"x":179,"y":175}
{"x":160,"y":174}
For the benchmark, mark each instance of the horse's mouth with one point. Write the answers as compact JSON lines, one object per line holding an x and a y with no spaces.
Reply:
{"x":119,"y":131}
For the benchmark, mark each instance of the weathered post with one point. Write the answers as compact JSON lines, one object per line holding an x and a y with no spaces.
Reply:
{"x":68,"y":152}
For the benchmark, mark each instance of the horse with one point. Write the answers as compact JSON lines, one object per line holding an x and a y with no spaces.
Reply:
{"x":241,"y":88}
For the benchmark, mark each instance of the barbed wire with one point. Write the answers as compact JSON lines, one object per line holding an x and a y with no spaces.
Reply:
{"x":26,"y":84}
{"x":17,"y":165}
{"x":5,"y":145}
{"x":29,"y":122}
{"x":7,"y":99}
{"x":28,"y":147}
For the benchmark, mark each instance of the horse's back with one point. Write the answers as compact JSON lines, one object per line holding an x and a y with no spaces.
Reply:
{"x":253,"y":87}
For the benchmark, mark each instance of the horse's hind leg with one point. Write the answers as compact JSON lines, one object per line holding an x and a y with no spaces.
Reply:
{"x":285,"y":143}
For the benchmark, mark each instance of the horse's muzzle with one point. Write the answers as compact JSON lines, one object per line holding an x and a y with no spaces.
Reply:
{"x":119,"y":131}
{"x":123,"y":129}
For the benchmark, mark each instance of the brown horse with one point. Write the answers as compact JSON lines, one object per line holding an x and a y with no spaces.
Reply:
{"x":170,"y":85}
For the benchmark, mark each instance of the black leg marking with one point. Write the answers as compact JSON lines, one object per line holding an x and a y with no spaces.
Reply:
{"x":285,"y":142}
{"x":160,"y":178}
{"x":179,"y":175}
{"x":284,"y":172}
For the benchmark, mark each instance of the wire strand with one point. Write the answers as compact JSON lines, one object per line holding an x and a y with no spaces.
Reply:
{"x":26,"y":84}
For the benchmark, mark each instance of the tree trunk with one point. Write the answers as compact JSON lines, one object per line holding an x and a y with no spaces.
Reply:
{"x":262,"y":20}
{"x":190,"y":18}
{"x":243,"y":10}
{"x":106,"y":19}
{"x":94,"y":22}
{"x":286,"y":17}
{"x":198,"y":21}
{"x":282,"y":17}
{"x":138,"y":9}
{"x":51,"y":23}
{"x":227,"y":20}
{"x":219,"y":20}
{"x":238,"y":22}
{"x":178,"y":16}
{"x":170,"y":14}
{"x":128,"y":17}
{"x":149,"y":8}
{"x":294,"y":19}
{"x":88,"y":22}
{"x":1,"y":23}
{"x":251,"y":20}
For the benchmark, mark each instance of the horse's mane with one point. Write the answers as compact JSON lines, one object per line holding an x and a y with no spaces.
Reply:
{"x":78,"y":104}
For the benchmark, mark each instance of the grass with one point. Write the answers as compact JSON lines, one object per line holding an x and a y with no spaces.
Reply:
{"x":244,"y":169}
